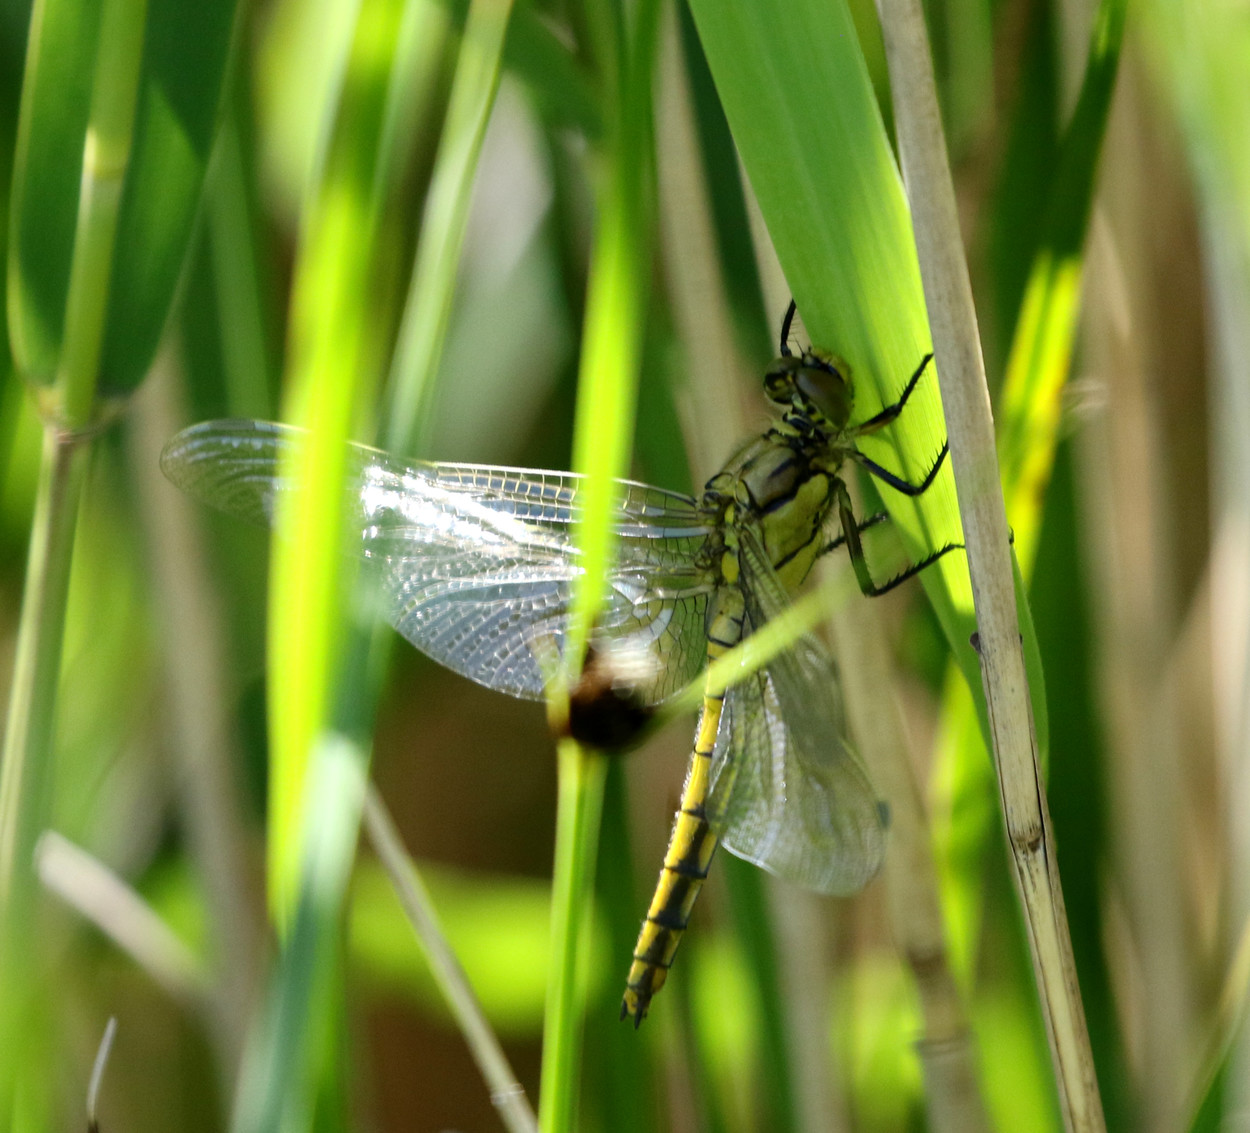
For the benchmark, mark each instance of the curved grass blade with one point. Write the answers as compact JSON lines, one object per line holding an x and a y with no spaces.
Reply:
{"x":602,"y":442}
{"x":326,"y":665}
{"x":81,"y":140}
{"x":1041,"y":352}
{"x":423,"y":331}
{"x":822,"y":171}
{"x":101,"y":230}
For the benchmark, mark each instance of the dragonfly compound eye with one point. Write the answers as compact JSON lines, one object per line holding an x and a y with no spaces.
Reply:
{"x":824,"y":385}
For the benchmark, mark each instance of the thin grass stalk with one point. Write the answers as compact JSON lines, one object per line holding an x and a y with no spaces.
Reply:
{"x":579,"y":807}
{"x":506,"y":1093}
{"x":602,"y":443}
{"x":105,"y":157}
{"x":205,"y":749}
{"x":414,"y":367}
{"x":25,"y":785}
{"x":25,"y":775}
{"x":428,"y":307}
{"x":97,"y":1072}
{"x":106,"y":901}
{"x":1028,"y":428}
{"x":965,"y":401}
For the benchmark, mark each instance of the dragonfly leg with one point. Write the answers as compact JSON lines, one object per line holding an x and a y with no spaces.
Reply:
{"x":898,"y":579}
{"x":897,"y":482}
{"x":861,"y":525}
{"x":785,"y":329}
{"x":859,"y":561}
{"x":890,"y":412}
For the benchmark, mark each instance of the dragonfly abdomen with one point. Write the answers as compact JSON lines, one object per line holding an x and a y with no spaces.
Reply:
{"x":692,"y":843}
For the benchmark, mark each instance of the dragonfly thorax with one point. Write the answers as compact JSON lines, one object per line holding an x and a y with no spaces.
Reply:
{"x":814,"y":389}
{"x":780,"y":486}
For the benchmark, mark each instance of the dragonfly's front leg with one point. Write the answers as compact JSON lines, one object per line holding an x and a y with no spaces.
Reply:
{"x":692,"y":842}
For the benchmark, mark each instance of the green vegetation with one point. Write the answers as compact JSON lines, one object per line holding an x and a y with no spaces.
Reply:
{"x":563,"y":236}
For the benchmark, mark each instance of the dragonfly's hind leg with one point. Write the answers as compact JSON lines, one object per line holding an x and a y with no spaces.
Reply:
{"x":876,"y":589}
{"x":851,"y":529}
{"x":861,"y":525}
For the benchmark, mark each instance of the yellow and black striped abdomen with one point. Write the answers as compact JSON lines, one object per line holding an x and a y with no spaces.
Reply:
{"x":785,"y":498}
{"x":692,"y":842}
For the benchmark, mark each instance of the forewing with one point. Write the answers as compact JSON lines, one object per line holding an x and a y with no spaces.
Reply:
{"x":475,"y":564}
{"x":788,"y":793}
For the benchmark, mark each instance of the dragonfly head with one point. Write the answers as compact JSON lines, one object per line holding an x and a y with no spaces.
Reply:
{"x":815,"y":385}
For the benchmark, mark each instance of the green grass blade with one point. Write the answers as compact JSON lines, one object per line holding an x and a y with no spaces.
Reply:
{"x":1041,"y":353}
{"x":330,"y":319}
{"x":620,"y":1081}
{"x":85,"y":71}
{"x":186,"y":52}
{"x":277,"y":1082}
{"x":55,"y":108}
{"x":101,"y":230}
{"x":602,"y":441}
{"x":424,"y":328}
{"x":579,"y":808}
{"x":802,"y":110}
{"x":26,"y":772}
{"x":326,"y":665}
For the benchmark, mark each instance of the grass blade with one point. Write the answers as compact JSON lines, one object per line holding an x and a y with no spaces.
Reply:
{"x":428,"y":310}
{"x":1041,"y":352}
{"x":602,"y":441}
{"x":822,"y":171}
{"x":330,"y":381}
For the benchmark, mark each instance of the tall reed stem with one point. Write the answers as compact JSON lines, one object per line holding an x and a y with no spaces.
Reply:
{"x":966,"y":402}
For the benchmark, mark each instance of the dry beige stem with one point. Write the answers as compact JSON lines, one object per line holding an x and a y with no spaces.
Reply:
{"x":965,"y":401}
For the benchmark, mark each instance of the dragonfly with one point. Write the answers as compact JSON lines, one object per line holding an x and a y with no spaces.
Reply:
{"x":476,"y":565}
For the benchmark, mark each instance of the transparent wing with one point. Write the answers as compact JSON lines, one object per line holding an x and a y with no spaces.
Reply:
{"x":788,"y":793}
{"x":476,"y":564}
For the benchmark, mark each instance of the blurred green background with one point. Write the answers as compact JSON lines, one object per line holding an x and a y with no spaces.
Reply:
{"x":1132,"y":526}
